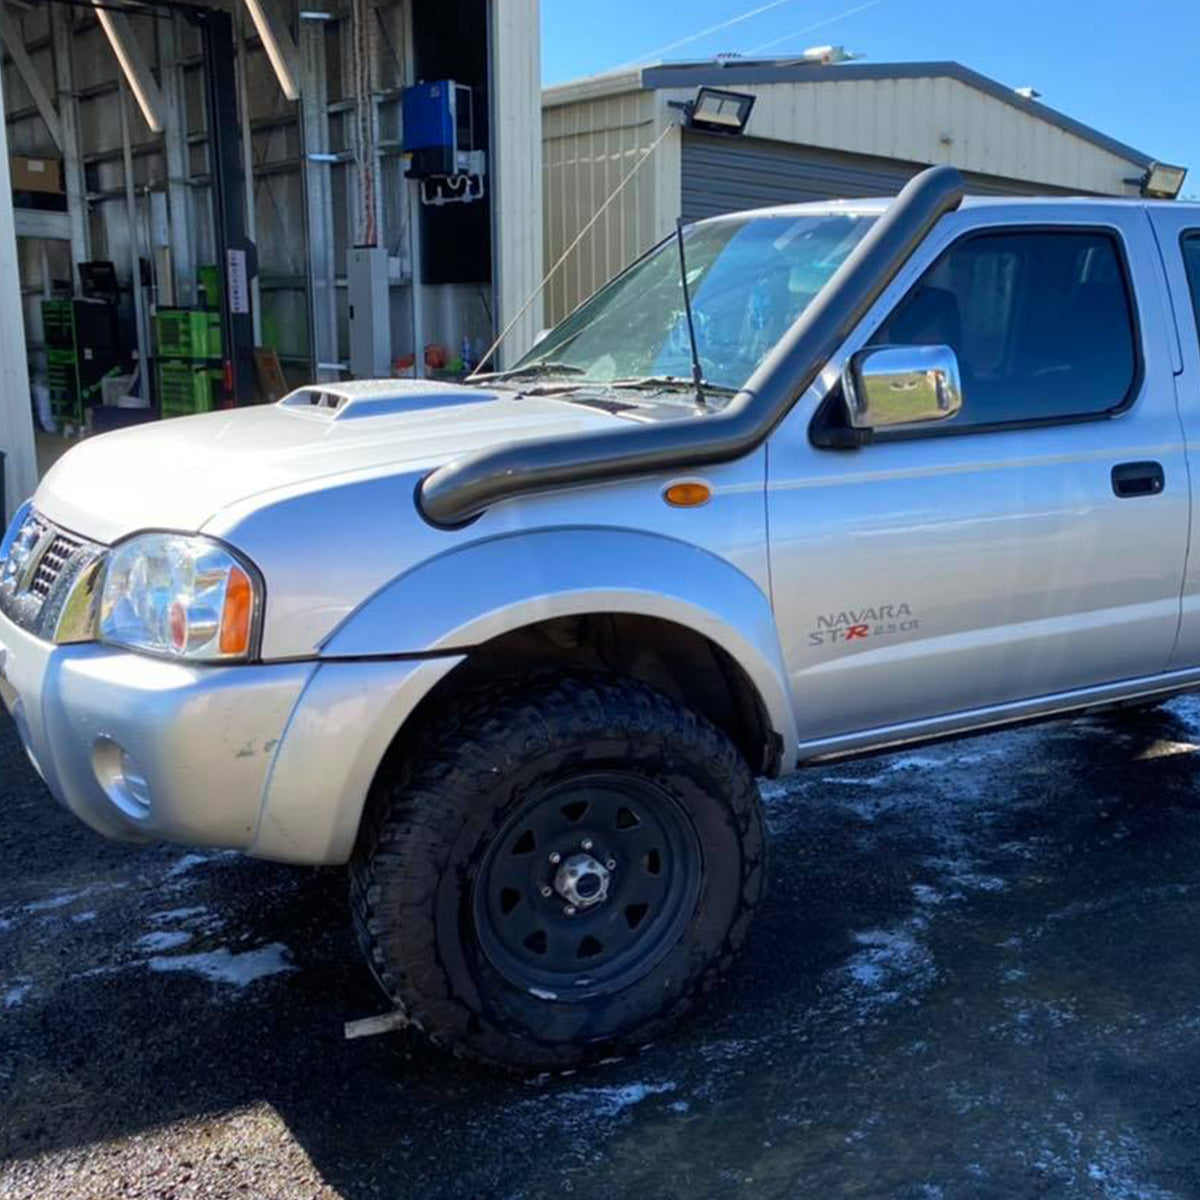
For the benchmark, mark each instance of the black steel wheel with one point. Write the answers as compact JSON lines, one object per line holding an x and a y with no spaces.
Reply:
{"x":558,"y":871}
{"x":587,"y":886}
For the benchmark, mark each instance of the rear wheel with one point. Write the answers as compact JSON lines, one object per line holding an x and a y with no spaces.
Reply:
{"x":558,"y":873}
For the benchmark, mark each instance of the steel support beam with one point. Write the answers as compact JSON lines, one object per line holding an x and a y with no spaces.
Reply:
{"x":16,"y":412}
{"x":14,"y":43}
{"x":248,"y":161}
{"x":35,"y":223}
{"x":236,"y":257}
{"x":318,"y":197}
{"x":131,"y":215}
{"x":68,"y":115}
{"x":175,"y":145}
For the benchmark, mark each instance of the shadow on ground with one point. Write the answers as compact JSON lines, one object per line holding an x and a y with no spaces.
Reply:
{"x":976,"y":976}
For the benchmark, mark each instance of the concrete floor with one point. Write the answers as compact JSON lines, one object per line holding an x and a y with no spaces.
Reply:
{"x":976,"y":977}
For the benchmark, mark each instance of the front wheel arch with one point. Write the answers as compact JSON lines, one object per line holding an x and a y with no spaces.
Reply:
{"x":672,"y":658}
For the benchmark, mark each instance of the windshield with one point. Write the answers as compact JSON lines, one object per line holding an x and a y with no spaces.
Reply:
{"x":749,"y":278}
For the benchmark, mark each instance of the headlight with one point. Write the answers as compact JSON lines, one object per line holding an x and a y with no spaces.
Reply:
{"x":17,"y":544}
{"x":184,"y":597}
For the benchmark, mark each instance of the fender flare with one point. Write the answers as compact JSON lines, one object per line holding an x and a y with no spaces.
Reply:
{"x":474,"y":593}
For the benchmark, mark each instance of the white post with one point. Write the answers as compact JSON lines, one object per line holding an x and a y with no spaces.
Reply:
{"x":514,"y":174}
{"x":16,"y":414}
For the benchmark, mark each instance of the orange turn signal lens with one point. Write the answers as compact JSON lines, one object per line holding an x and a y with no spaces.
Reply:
{"x":687,"y":495}
{"x":237,"y":613}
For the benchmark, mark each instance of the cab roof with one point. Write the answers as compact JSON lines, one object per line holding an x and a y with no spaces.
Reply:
{"x":874,"y":206}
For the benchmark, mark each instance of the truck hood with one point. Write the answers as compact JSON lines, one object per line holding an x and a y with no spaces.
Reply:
{"x":179,"y":474}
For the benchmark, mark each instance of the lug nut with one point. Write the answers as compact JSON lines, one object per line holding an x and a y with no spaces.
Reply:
{"x":569,"y":910}
{"x":611,"y":864}
{"x":547,"y":890}
{"x":586,"y":843}
{"x":555,"y":857}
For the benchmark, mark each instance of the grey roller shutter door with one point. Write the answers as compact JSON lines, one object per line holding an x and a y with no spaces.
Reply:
{"x":726,"y":174}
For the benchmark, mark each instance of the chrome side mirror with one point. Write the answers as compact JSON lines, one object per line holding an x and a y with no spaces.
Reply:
{"x":885,"y":386}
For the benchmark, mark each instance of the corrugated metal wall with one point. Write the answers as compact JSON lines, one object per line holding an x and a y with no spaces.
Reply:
{"x":806,"y":140}
{"x":933,"y":120}
{"x":722,"y":174}
{"x":587,"y":149}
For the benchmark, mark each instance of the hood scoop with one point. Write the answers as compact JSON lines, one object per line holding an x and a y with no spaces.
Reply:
{"x":379,"y":398}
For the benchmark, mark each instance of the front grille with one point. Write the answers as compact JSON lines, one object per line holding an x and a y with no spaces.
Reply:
{"x":51,"y":564}
{"x":42,"y":566}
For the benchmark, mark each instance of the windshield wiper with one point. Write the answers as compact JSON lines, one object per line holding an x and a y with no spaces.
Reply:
{"x":534,"y":371}
{"x":672,"y":383}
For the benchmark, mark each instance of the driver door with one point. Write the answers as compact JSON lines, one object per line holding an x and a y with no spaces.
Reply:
{"x":967,"y":569}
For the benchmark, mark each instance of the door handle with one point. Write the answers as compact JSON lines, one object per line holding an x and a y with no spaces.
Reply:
{"x":1138,"y":479}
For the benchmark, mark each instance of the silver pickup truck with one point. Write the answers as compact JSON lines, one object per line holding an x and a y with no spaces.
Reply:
{"x":802,"y":483}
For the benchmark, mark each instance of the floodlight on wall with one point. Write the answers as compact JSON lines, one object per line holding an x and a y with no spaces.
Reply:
{"x":276,"y":44}
{"x":716,"y":110}
{"x":1161,"y":181}
{"x":133,"y":65}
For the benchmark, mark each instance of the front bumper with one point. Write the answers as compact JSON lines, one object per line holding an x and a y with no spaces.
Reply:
{"x":275,"y":759}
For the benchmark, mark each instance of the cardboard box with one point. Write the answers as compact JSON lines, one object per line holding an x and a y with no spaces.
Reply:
{"x":36,"y":174}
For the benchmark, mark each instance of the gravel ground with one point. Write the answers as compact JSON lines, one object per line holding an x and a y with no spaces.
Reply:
{"x":975,"y":977}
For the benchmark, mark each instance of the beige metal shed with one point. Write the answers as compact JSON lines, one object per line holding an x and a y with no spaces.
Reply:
{"x":815,"y":132}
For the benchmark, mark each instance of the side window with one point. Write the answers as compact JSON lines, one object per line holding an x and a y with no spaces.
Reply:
{"x":1041,"y":323}
{"x":1190,"y":242}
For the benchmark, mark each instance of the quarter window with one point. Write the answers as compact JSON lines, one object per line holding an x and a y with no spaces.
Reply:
{"x":1041,"y":323}
{"x":1191,"y":264}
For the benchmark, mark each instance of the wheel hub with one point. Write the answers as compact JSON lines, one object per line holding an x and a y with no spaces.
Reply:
{"x":582,"y":881}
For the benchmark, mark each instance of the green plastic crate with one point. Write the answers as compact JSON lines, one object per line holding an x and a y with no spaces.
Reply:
{"x":209,"y":281}
{"x":187,"y":333}
{"x":185,"y":388}
{"x":58,"y":323}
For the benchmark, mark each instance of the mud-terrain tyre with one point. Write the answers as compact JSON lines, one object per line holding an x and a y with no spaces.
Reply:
{"x":559,"y":871}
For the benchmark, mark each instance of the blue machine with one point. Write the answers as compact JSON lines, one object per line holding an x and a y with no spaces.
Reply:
{"x":439,"y":131}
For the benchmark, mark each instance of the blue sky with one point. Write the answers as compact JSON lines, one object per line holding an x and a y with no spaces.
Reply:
{"x":1129,"y":69}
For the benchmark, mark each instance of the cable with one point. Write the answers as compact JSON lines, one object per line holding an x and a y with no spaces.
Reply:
{"x":815,"y":25}
{"x":654,"y":145}
{"x":695,"y":37}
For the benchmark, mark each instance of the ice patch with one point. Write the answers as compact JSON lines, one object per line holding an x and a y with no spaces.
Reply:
{"x":80,"y":918}
{"x":16,"y":994}
{"x":53,"y":902}
{"x":164,"y":940}
{"x":178,"y":914}
{"x":187,"y":863}
{"x":66,"y":899}
{"x":890,"y":959}
{"x":223,"y":966}
{"x":612,"y":1101}
{"x":915,"y":762}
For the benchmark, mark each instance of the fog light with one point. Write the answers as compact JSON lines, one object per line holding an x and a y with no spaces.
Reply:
{"x":136,"y":787}
{"x":123,"y":781}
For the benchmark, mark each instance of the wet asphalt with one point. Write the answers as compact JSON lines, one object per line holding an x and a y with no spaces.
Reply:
{"x":976,"y":976}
